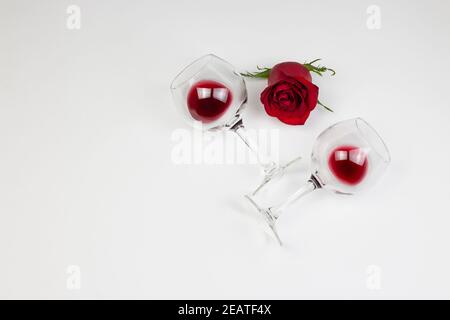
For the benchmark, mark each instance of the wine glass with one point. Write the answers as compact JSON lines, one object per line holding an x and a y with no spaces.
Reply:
{"x":347,"y":158}
{"x":209,"y":90}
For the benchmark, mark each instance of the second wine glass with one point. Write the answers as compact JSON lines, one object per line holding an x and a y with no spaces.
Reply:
{"x":347,"y":158}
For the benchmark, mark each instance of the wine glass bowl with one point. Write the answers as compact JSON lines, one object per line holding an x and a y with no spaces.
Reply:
{"x":349,"y":157}
{"x":209,"y":90}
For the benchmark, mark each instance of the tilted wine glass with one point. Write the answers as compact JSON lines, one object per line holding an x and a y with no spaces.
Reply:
{"x":209,"y":90}
{"x":347,"y":158}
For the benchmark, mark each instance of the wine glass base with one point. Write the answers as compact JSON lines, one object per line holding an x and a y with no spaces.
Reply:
{"x":269,"y":218}
{"x":274,"y":173}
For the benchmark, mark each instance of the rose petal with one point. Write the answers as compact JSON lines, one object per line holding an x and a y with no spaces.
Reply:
{"x":292,"y":70}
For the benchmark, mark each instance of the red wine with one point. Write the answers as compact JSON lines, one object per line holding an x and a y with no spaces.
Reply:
{"x":208,"y":100}
{"x":348,"y":164}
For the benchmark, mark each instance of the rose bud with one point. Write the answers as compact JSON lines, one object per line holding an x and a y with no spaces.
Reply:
{"x":290,"y":95}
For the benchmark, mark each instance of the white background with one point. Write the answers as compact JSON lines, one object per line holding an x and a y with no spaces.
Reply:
{"x":86,"y":176}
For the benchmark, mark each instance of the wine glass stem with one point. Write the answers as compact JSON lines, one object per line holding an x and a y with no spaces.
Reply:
{"x":308,"y":187}
{"x":267,"y":165}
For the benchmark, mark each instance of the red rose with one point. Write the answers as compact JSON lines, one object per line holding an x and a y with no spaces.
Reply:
{"x":291,"y":95}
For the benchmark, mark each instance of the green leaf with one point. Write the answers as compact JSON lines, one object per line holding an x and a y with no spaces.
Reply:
{"x":318,"y":69}
{"x":262,"y":73}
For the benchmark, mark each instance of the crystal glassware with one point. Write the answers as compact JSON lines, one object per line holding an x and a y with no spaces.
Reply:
{"x":209,"y":90}
{"x":347,"y":158}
